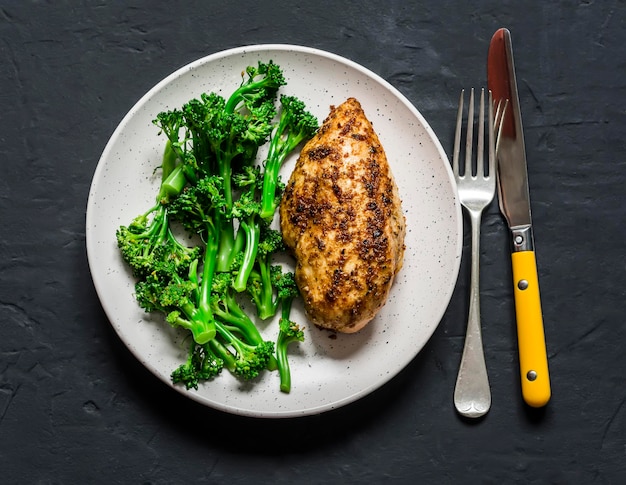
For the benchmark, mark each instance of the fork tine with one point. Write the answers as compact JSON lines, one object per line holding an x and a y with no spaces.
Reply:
{"x":470,"y":135}
{"x":480,"y":158}
{"x":457,"y":135}
{"x":492,"y":134}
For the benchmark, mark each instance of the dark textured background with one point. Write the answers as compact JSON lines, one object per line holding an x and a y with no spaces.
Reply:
{"x":76,"y":407}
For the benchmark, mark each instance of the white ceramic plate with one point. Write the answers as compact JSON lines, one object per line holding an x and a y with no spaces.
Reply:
{"x":326,"y":372}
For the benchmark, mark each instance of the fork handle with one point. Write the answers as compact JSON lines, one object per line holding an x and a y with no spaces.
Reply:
{"x":531,"y":340}
{"x":472,"y":394}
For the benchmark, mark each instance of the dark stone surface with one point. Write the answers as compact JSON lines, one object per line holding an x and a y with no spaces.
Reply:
{"x":76,"y":407}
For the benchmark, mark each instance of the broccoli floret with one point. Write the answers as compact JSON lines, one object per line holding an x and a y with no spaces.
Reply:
{"x":200,"y":208}
{"x":144,"y":245}
{"x":171,"y":123}
{"x":249,"y":359}
{"x":258,"y":130}
{"x":180,"y":299}
{"x":142,"y":237}
{"x":286,"y":287}
{"x":261,"y":84}
{"x":203,"y":363}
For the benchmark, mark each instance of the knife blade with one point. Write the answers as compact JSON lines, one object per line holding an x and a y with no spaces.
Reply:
{"x":514,"y":201}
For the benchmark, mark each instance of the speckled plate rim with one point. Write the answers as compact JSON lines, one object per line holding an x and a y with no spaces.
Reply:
{"x":338,"y":371}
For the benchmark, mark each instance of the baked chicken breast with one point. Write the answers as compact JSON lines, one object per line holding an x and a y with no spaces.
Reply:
{"x":341,"y":216}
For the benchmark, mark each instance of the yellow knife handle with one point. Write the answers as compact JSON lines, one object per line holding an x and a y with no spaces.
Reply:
{"x":530,"y":333}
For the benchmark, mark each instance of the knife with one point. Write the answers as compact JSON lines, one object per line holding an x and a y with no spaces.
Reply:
{"x":514,"y":203}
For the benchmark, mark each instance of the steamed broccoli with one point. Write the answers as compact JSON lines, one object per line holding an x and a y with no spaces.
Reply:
{"x":213,"y":189}
{"x":164,"y":267}
{"x":203,"y":363}
{"x":149,"y":234}
{"x":249,"y":359}
{"x":221,"y":140}
{"x":262,"y":83}
{"x":289,"y":331}
{"x":295,"y":125}
{"x":246,"y":211}
{"x":260,"y":285}
{"x":180,"y":298}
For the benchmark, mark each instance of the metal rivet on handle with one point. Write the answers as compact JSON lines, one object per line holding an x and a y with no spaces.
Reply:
{"x":531,"y":376}
{"x":522,"y":284}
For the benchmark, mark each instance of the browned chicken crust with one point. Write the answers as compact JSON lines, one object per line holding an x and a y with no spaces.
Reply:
{"x":342,"y":218}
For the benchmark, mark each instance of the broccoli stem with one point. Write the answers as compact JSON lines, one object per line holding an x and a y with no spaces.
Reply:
{"x":268,"y":200}
{"x":156,"y":233}
{"x":284,"y":370}
{"x":223,"y":353}
{"x":156,"y":225}
{"x":208,"y":271}
{"x":280,"y":147}
{"x":295,"y":125}
{"x":240,"y":93}
{"x":277,"y":152}
{"x":240,"y":241}
{"x":193,"y":277}
{"x":173,"y":184}
{"x":169,"y":160}
{"x":226,"y":172}
{"x":240,"y":322}
{"x":226,"y":247}
{"x":250,"y":359}
{"x":201,"y":330}
{"x":252,"y":232}
{"x":231,"y":313}
{"x":226,"y":252}
{"x":267,"y":305}
{"x":282,"y":343}
{"x":200,"y":320}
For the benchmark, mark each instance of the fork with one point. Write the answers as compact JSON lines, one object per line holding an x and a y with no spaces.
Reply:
{"x":476,"y":189}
